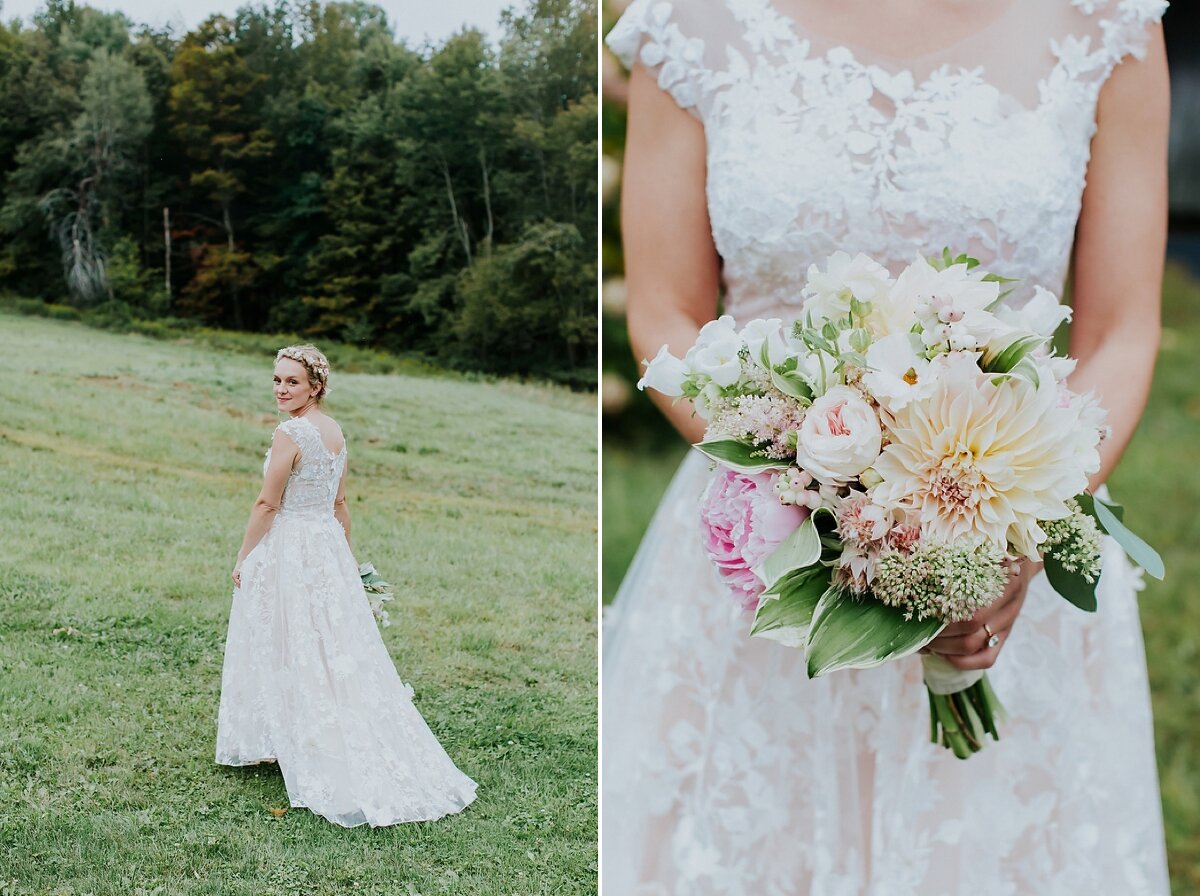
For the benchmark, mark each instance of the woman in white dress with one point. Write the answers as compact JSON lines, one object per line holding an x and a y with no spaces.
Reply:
{"x":763,"y":136}
{"x":307,"y":681}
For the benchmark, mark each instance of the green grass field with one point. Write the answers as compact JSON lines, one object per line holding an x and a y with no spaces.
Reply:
{"x":1158,"y":483}
{"x":127,"y":469}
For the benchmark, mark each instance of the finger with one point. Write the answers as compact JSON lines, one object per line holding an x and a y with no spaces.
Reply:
{"x":996,"y":615}
{"x":976,"y":640}
{"x":982,"y":659}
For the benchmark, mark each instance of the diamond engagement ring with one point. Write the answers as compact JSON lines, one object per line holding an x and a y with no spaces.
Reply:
{"x":993,"y":638}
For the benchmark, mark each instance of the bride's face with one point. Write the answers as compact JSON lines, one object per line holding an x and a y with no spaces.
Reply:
{"x":292,"y":389}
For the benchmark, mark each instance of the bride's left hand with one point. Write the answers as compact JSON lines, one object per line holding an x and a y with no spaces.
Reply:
{"x":964,"y":644}
{"x":237,"y":575}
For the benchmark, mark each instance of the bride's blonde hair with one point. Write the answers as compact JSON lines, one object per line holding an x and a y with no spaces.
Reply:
{"x":315,"y":364}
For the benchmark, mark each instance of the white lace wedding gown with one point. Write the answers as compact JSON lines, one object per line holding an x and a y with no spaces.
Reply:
{"x":725,"y":770}
{"x":307,"y":679}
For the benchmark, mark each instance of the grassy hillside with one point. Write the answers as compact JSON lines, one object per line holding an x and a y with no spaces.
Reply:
{"x":1158,"y":483}
{"x":127,"y":469}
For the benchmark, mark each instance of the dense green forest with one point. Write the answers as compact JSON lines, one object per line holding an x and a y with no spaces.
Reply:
{"x":296,"y":168}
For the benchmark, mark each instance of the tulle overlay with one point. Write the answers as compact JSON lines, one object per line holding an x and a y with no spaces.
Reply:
{"x":308,"y":680}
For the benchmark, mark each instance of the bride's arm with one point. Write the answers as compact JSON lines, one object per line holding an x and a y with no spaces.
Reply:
{"x":341,"y":510}
{"x":1120,"y":244}
{"x":283,"y":455}
{"x":671,"y":265}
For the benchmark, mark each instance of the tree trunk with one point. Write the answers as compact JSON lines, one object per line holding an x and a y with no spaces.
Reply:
{"x":237,"y":304}
{"x":167,"y":252}
{"x":487,"y":202}
{"x":460,"y":226}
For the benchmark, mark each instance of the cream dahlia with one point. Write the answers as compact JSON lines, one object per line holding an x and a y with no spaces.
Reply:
{"x":985,"y":457}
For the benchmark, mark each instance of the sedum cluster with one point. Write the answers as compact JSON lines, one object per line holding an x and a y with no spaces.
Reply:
{"x":1074,"y":542}
{"x":947,"y":581}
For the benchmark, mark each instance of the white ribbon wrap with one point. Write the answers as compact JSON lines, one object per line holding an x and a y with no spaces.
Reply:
{"x":944,"y":679}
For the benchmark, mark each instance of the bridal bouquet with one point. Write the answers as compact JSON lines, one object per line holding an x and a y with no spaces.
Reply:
{"x":883,"y":461}
{"x":378,"y":592}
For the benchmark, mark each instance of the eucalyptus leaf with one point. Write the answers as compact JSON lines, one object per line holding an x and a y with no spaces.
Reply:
{"x":1139,"y":552}
{"x":850,"y":632}
{"x":738,"y":456}
{"x":1070,"y":585}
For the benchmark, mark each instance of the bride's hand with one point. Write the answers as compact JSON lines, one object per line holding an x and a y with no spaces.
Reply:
{"x":237,"y":575}
{"x":964,"y":645}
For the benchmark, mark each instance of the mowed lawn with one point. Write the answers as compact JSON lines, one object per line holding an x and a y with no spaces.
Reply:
{"x":127,"y":469}
{"x":1158,"y":481}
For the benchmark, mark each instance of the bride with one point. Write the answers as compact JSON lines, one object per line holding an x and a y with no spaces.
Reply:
{"x":307,"y":680}
{"x":764,"y":135}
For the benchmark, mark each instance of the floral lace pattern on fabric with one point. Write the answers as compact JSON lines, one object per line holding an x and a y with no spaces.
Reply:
{"x":726,"y":770}
{"x":307,"y":679}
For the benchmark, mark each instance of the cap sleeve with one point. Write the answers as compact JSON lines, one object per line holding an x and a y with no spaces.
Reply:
{"x":1126,"y":28}
{"x":655,"y":33}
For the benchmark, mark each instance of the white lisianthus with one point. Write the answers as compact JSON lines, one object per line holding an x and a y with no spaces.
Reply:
{"x":1042,"y":314}
{"x":715,"y":353}
{"x":665,"y":373}
{"x":985,"y":459}
{"x":839,"y":438}
{"x":760,"y":331}
{"x":897,"y":371}
{"x":827,"y":294}
{"x":718,"y":360}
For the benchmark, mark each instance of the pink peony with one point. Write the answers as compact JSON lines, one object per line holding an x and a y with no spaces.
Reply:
{"x":742,"y":523}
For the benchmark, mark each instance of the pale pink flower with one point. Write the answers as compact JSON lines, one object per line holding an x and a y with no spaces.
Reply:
{"x":742,"y":522}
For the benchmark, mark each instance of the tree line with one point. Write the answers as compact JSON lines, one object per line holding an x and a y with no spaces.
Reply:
{"x":296,"y":168}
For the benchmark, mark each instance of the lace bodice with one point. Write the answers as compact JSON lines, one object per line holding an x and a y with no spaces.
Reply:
{"x":313,"y":483}
{"x":814,"y":146}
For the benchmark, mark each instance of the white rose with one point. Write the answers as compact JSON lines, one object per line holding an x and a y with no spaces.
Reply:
{"x":665,"y":374}
{"x":839,"y":438}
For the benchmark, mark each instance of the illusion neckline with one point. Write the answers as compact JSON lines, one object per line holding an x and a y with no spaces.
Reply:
{"x":332,"y":454}
{"x":892,"y":65}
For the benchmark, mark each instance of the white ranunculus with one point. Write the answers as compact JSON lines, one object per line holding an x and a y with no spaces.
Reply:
{"x":828,"y":292}
{"x":951,"y":305}
{"x":898,"y":371}
{"x":839,"y":438}
{"x":664,"y":374}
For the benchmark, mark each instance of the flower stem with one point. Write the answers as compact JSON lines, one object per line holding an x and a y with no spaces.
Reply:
{"x":962,"y":721}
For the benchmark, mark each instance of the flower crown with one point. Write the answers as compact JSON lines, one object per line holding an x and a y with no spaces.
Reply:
{"x":318,"y":366}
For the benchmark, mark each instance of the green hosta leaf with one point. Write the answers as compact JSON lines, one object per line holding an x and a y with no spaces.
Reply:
{"x":1070,"y":585}
{"x":1109,"y":518}
{"x":1027,"y":370}
{"x":786,"y":618}
{"x":738,"y":456}
{"x":799,"y":550}
{"x":859,"y":633}
{"x":1011,"y":356}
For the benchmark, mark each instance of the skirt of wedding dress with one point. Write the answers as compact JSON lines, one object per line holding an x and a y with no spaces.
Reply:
{"x":308,"y":681}
{"x":727,"y":771}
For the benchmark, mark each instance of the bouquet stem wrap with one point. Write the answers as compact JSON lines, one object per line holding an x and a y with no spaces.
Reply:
{"x":963,"y":708}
